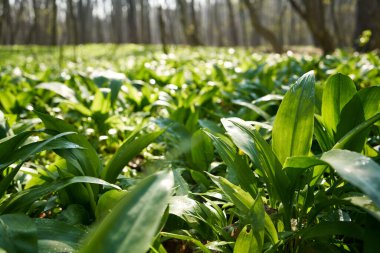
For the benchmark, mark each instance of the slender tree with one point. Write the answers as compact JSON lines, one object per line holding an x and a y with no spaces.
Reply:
{"x":267,"y":34}
{"x":313,"y":13}
{"x":54,"y":31}
{"x":232,"y":27}
{"x":367,"y":19}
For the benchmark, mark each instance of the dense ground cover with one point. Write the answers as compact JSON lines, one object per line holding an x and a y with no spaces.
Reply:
{"x":126,"y":149}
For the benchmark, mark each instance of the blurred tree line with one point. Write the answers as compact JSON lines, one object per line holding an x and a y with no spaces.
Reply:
{"x":327,"y":24}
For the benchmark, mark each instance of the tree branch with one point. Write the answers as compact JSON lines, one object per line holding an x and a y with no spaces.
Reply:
{"x":297,"y":8}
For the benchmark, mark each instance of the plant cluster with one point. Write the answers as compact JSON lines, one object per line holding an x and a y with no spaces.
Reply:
{"x":200,"y":150}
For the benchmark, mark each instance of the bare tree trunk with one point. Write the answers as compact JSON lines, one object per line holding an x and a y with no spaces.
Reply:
{"x":132,"y":21}
{"x":313,"y":13}
{"x":367,"y":19}
{"x":8,"y":23}
{"x":267,"y":34}
{"x":116,"y":21}
{"x":190,"y":29}
{"x":1,"y":21}
{"x":334,"y":18}
{"x":162,"y":22}
{"x":54,"y":33}
{"x":233,"y":27}
{"x":243,"y":23}
{"x":74,"y":23}
{"x":33,"y":32}
{"x":145,"y":22}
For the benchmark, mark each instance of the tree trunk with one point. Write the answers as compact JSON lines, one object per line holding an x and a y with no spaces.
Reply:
{"x":367,"y":19}
{"x":132,"y":21}
{"x":54,"y":33}
{"x":189,"y":28}
{"x":8,"y":23}
{"x":267,"y":34}
{"x":313,"y":13}
{"x":161,"y":20}
{"x":73,"y":25}
{"x":233,"y":28}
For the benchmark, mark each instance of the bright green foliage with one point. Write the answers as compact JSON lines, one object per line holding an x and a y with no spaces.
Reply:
{"x":294,"y":123}
{"x":135,"y":218}
{"x":127,"y":149}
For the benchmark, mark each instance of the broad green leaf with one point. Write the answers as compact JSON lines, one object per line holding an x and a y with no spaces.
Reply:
{"x":357,"y":169}
{"x":27,"y":150}
{"x":60,"y":89}
{"x":101,"y":103}
{"x":240,"y":198}
{"x":21,"y":201}
{"x":338,"y":90}
{"x":18,"y":233}
{"x":254,"y":108}
{"x":302,"y":162}
{"x":8,"y":101}
{"x":5,"y":182}
{"x":370,"y":99}
{"x":202,"y":150}
{"x":322,"y":135}
{"x":130,"y":148}
{"x":347,"y":123}
{"x":233,"y":160}
{"x":107,"y":201}
{"x":294,"y":123}
{"x":182,"y":205}
{"x":9,"y":144}
{"x":366,"y":203}
{"x":350,"y":137}
{"x":257,"y":217}
{"x":57,"y":236}
{"x":259,"y":151}
{"x":133,"y":222}
{"x":246,"y":241}
{"x":88,"y":158}
{"x":244,"y":202}
{"x":327,"y":229}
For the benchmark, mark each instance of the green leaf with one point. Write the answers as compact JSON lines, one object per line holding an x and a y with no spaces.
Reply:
{"x":370,"y":100}
{"x":366,"y":203}
{"x":252,"y":143}
{"x":322,"y":135}
{"x":338,"y":90}
{"x":187,"y":238}
{"x":107,"y":201}
{"x":294,"y":123}
{"x":357,"y":169}
{"x":326,"y":229}
{"x":9,"y":144}
{"x":246,"y":241}
{"x":18,"y":233}
{"x":234,"y":161}
{"x":58,"y":236}
{"x":257,"y":217}
{"x":245,"y":205}
{"x":133,"y":222}
{"x":347,"y":123}
{"x":88,"y":158}
{"x":60,"y":89}
{"x":302,"y":162}
{"x":349,"y":138}
{"x":33,"y":149}
{"x":202,"y":150}
{"x":130,"y":148}
{"x":21,"y":201}
{"x":30,"y":149}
